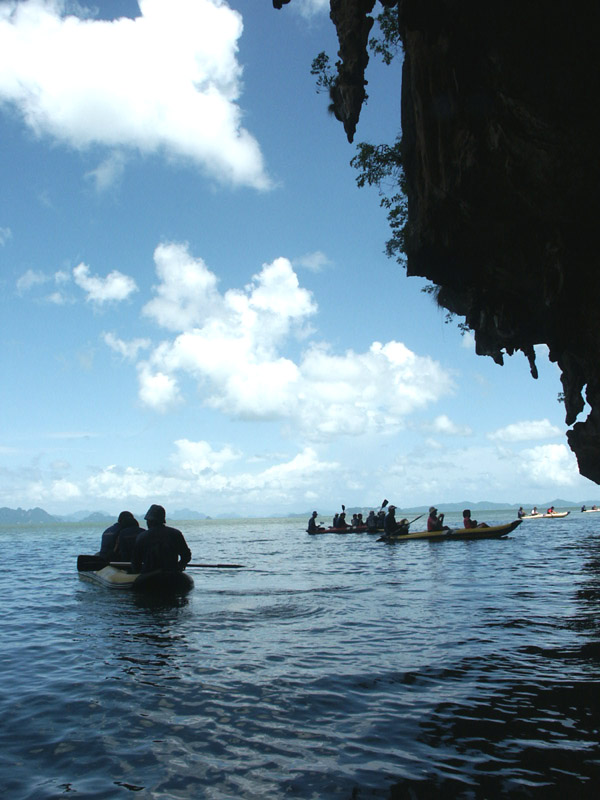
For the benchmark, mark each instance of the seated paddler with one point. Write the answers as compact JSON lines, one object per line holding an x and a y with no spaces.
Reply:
{"x":109,"y":542}
{"x":312,"y":524}
{"x":391,"y":526}
{"x":160,"y":547}
{"x":127,"y":535}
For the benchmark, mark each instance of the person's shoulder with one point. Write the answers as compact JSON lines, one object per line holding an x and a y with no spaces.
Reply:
{"x":111,"y":528}
{"x":172,"y":530}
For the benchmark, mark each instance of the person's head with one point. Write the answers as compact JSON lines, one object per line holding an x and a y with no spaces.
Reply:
{"x":343,"y":514}
{"x":314,"y":513}
{"x":155,"y":514}
{"x":432,"y":511}
{"x":467,"y":512}
{"x":127,"y":518}
{"x":392,"y":510}
{"x":403,"y":521}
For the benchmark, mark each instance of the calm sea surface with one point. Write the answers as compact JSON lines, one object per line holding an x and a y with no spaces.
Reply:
{"x":330,"y":667}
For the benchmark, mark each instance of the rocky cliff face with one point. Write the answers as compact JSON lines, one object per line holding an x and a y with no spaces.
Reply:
{"x":501,"y":136}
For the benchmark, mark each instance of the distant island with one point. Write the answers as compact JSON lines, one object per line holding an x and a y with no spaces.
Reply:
{"x":32,"y":516}
{"x":21,"y":516}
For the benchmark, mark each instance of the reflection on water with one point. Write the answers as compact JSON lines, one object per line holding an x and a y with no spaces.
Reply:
{"x":332,"y":667}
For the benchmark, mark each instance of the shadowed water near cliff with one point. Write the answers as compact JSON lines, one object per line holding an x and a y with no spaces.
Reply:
{"x":332,"y":667}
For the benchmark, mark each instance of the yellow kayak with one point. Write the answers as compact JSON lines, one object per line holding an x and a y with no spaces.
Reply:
{"x":493,"y":532}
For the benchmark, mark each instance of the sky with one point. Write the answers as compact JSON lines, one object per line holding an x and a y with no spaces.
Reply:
{"x":195,"y":305}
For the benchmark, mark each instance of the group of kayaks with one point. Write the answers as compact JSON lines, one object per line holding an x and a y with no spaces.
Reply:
{"x":491,"y":532}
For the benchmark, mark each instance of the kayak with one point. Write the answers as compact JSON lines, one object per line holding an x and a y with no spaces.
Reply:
{"x":590,"y":510}
{"x":493,"y":532}
{"x":158,"y":582}
{"x":360,"y":529}
{"x":554,"y":515}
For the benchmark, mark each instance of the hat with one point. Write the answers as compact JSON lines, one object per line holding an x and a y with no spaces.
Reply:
{"x":155,"y":513}
{"x":391,"y":508}
{"x":432,"y":509}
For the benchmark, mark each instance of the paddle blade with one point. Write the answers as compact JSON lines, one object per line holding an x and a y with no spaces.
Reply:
{"x":384,"y":504}
{"x":343,"y":507}
{"x":90,"y":563}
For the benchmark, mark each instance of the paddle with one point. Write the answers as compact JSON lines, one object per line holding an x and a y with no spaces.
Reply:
{"x":94,"y":563}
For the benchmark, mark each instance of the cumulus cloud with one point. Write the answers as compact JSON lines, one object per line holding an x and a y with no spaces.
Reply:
{"x":237,"y":345}
{"x":114,"y":288}
{"x":526,"y":431}
{"x":57,"y":490}
{"x":549,"y":463}
{"x":157,"y":390}
{"x":5,"y":235}
{"x":187,"y":292}
{"x":166,"y":82}
{"x":198,"y":472}
{"x":200,"y":457}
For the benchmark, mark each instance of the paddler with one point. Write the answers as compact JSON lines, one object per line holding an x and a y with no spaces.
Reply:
{"x":160,"y":547}
{"x":472,"y":523}
{"x":435,"y":522}
{"x":391,"y":527}
{"x":312,"y":524}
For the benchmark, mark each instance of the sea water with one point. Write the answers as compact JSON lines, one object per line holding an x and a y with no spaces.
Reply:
{"x":331,"y":666}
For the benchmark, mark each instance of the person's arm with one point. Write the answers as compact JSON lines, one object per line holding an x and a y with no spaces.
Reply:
{"x":185,"y":554}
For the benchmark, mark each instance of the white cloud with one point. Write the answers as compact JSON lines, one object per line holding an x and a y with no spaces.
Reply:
{"x":157,"y":390}
{"x":236,"y":345}
{"x":198,"y":474}
{"x":56,"y":491}
{"x":109,"y":172}
{"x":549,"y":464}
{"x":62,"y":276}
{"x":187,"y":292}
{"x":128,"y":350}
{"x":165,"y":82}
{"x":5,"y":235}
{"x":115,"y":287}
{"x":308,"y":8}
{"x":199,"y":457}
{"x":468,"y":340}
{"x":30,"y":279}
{"x":526,"y":431}
{"x":314,"y":262}
{"x":444,"y":425}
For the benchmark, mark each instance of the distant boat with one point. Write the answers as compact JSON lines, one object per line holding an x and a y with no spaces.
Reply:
{"x":553,"y":515}
{"x":590,"y":510}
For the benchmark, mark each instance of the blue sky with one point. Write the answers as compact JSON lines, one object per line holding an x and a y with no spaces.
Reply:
{"x":196,"y":309}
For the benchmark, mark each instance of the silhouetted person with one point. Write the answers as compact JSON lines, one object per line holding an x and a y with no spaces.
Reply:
{"x":108,"y":543}
{"x":160,"y":547}
{"x":127,"y":536}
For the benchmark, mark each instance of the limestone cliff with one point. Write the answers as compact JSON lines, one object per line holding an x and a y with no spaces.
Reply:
{"x":500,"y":135}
